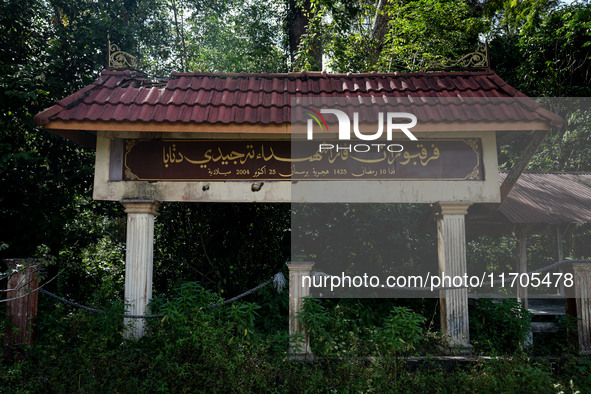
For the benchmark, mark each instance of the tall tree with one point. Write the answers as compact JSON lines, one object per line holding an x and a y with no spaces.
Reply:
{"x":392,"y":35}
{"x":552,"y":58}
{"x":49,"y":49}
{"x":233,"y":36}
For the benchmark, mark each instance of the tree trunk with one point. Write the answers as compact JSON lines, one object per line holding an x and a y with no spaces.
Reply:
{"x":379,"y":29}
{"x":298,"y":19}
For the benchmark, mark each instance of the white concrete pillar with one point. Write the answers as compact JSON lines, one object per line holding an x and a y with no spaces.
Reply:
{"x":522,"y":266}
{"x":299,"y":345}
{"x":451,"y":241}
{"x":138,"y":261}
{"x":560,"y":255}
{"x":582,"y":282}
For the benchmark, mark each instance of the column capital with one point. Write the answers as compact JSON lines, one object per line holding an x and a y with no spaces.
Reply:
{"x":454,"y":208}
{"x":300,"y":265}
{"x":140,"y":206}
{"x":25,"y":262}
{"x":581,"y":267}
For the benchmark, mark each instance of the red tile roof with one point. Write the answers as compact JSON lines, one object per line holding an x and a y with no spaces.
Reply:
{"x":128,"y":96}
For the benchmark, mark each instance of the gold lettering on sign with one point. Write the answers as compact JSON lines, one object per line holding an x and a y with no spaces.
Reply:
{"x":171,"y":155}
{"x":475,"y":171}
{"x":191,"y":160}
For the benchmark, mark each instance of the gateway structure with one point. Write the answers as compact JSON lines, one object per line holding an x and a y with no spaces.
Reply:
{"x":226,"y":138}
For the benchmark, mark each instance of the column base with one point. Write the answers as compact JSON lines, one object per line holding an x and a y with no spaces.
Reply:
{"x":464,"y":350}
{"x":302,"y":358}
{"x":458,"y":349}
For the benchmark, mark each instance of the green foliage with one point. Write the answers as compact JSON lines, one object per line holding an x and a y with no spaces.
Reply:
{"x":233,"y":36}
{"x":188,"y":314}
{"x":567,"y":148}
{"x":219,"y":245}
{"x":487,"y":253}
{"x":384,"y":239}
{"x":426,"y":29}
{"x":49,"y":49}
{"x":556,"y":51}
{"x":353,"y":328}
{"x":335,"y":331}
{"x":314,"y":315}
{"x":413,"y":33}
{"x":510,"y":16}
{"x":402,"y":331}
{"x":499,"y":328}
{"x":203,"y":351}
{"x":548,"y":55}
{"x":563,"y":342}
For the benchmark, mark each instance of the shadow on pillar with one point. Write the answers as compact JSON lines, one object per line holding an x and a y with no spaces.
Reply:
{"x":451,"y":242}
{"x":139,"y":261}
{"x":299,"y":338}
{"x":582,"y":303}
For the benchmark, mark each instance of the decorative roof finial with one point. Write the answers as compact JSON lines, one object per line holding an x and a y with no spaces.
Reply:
{"x":477,"y":59}
{"x":120,"y":59}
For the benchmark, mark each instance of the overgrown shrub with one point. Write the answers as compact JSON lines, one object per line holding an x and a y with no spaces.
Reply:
{"x":563,"y":342}
{"x":344,"y":329}
{"x":402,"y":331}
{"x":337,"y":331}
{"x":196,"y":348}
{"x":499,"y":328}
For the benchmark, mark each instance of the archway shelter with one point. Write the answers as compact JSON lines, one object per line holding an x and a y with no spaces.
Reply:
{"x":138,"y":127}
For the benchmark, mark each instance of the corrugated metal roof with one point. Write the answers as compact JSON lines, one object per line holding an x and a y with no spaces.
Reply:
{"x":127,"y":96}
{"x":548,"y":198}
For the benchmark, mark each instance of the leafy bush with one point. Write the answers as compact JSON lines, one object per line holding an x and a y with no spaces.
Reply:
{"x":336,"y":331}
{"x":563,"y":342}
{"x":402,"y":331}
{"x":499,"y":328}
{"x":348,"y":329}
{"x":196,"y":348}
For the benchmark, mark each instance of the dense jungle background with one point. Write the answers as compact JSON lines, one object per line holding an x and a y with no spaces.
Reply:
{"x":206,"y":252}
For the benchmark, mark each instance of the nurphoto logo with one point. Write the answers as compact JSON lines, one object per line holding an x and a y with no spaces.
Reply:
{"x":344,"y":121}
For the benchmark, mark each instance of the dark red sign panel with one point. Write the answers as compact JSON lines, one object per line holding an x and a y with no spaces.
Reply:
{"x":207,"y":160}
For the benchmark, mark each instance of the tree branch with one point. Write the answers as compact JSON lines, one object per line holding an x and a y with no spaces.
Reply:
{"x":32,"y":291}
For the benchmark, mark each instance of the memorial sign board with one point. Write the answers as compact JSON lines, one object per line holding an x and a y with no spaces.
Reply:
{"x":239,"y":160}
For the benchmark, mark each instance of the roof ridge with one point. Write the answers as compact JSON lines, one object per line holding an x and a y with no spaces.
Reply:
{"x":324,"y":74}
{"x":366,"y":90}
{"x":432,"y":101}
